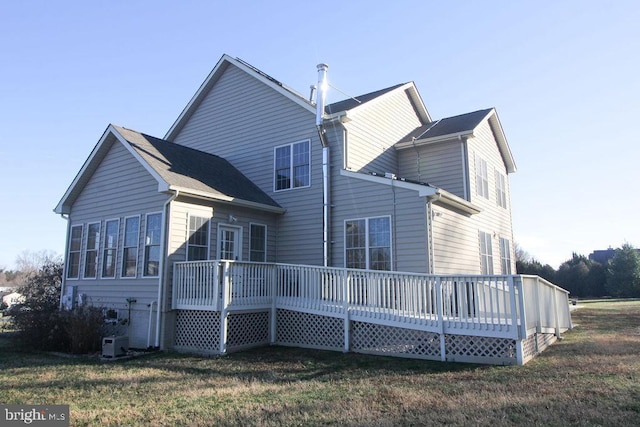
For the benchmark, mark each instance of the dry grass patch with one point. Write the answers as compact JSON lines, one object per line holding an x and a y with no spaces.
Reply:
{"x":589,"y":378}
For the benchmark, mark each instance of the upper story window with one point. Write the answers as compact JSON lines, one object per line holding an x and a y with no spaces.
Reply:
{"x":198,"y":242}
{"x":130,"y":247}
{"x":505,"y":255}
{"x":91,"y":250}
{"x":152,"y":244}
{"x":110,"y":251}
{"x":258,"y":243}
{"x":486,"y":253}
{"x":482,"y":178}
{"x":73,"y":258}
{"x":501,"y":190}
{"x":368,"y":243}
{"x":292,"y":165}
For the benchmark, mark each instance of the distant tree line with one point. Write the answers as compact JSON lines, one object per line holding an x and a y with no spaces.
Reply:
{"x":582,"y":277}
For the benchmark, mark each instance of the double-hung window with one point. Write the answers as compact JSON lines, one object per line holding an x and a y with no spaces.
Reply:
{"x":505,"y":255}
{"x":292,"y":165}
{"x":482,"y":178}
{"x":368,"y":243}
{"x":501,"y":190}
{"x":110,"y":250}
{"x":258,"y":243}
{"x":152,"y":244}
{"x":198,"y":242}
{"x":91,"y":250}
{"x":130,"y":247}
{"x":73,"y":258}
{"x":486,"y":253}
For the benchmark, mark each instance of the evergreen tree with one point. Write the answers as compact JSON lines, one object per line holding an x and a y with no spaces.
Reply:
{"x":623,"y":272}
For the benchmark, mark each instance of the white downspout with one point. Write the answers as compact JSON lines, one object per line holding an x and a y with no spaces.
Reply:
{"x":326,"y":199}
{"x":430,"y":250}
{"x":163,"y":273}
{"x":63,"y":285}
{"x":150,"y":323}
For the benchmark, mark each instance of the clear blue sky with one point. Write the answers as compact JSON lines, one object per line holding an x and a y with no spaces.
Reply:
{"x":562,"y":75}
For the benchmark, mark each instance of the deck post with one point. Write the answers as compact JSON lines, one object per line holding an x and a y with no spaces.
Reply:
{"x":539,"y":311}
{"x":522,"y":335}
{"x":345,"y":304}
{"x":224,"y":315}
{"x":556,"y":316}
{"x":514,"y":307}
{"x":274,"y":306}
{"x":440,"y":314}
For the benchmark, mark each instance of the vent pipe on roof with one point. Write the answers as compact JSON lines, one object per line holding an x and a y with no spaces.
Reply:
{"x":322,"y":92}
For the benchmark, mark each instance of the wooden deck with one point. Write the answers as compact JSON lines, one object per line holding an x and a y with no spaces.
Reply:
{"x":510,"y":309}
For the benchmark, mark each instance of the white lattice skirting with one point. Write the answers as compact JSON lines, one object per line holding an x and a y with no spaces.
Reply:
{"x":201,"y":331}
{"x":536,"y":344}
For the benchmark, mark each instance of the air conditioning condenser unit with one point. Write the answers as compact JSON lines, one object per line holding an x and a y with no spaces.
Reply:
{"x":115,"y":346}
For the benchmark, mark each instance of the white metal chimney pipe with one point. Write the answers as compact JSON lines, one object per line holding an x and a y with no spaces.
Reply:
{"x":321,"y":93}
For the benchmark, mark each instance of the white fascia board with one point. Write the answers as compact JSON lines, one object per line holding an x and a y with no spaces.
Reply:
{"x":436,"y":139}
{"x":226,"y":199}
{"x":371,"y":104}
{"x":87,"y":168}
{"x":163,"y":185}
{"x":501,"y":139}
{"x":213,"y":77}
{"x":423,"y":190}
{"x":451,"y":200}
{"x":420,"y":107}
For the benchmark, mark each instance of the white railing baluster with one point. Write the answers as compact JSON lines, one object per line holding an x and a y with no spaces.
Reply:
{"x":465,"y":304}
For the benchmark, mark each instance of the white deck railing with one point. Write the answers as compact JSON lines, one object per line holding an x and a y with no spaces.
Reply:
{"x":501,"y":306}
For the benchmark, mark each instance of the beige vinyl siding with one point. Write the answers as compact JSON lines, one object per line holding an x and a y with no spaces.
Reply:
{"x":355,"y":199}
{"x":179,"y":227}
{"x":441,"y":164}
{"x":374,"y":129}
{"x":120,"y":187}
{"x":242,"y":120}
{"x":219,"y":215}
{"x":456,"y":243}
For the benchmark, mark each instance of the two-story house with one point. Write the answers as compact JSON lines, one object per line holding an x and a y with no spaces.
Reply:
{"x":253,"y":171}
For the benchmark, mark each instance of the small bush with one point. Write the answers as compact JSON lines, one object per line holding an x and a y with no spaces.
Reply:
{"x":76,"y":331}
{"x":42,"y":326}
{"x":83,"y":326}
{"x":41,"y":329}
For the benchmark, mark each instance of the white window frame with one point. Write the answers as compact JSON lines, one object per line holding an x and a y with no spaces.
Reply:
{"x":505,"y":256}
{"x":105,"y":248}
{"x":190,"y":232}
{"x":95,"y":249}
{"x":367,"y":245}
{"x":486,"y":253}
{"x":292,"y":166}
{"x":125,"y":247}
{"x":264,"y":243}
{"x":77,"y":251}
{"x":501,"y":190}
{"x":148,"y":245}
{"x":482,"y":177}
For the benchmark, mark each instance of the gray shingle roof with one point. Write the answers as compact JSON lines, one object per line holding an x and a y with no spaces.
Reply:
{"x":449,"y":125}
{"x":350,"y":103}
{"x":192,"y":169}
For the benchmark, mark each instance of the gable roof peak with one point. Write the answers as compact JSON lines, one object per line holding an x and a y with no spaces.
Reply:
{"x":215,"y":74}
{"x":368,"y":98}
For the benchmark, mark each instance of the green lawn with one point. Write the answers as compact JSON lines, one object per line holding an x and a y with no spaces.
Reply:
{"x":591,"y":377}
